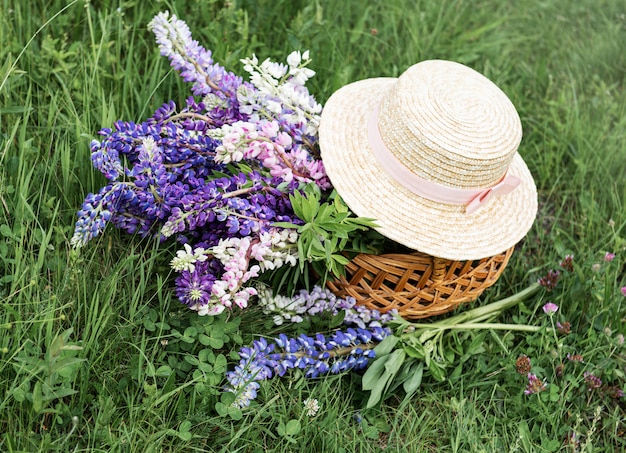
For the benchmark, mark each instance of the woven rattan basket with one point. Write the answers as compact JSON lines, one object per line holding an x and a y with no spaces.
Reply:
{"x":416,"y":284}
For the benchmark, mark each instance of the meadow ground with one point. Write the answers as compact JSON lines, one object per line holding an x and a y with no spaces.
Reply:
{"x":97,"y":355}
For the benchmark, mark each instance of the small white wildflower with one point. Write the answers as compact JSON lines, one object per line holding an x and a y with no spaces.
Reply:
{"x":311,"y":406}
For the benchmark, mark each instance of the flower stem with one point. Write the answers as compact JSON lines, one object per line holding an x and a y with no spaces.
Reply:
{"x":477,"y":314}
{"x":494,"y":326}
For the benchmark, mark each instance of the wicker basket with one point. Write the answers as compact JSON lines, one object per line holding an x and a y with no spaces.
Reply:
{"x":417,"y":285}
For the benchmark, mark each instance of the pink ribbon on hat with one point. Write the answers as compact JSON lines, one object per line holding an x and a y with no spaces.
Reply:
{"x":473,"y":199}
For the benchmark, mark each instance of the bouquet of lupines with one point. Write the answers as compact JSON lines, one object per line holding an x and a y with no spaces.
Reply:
{"x":234,"y":176}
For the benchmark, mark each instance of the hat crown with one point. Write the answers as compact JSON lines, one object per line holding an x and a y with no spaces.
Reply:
{"x":449,"y":124}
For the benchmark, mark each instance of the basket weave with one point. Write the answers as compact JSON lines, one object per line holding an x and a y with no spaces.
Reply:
{"x":417,"y":285}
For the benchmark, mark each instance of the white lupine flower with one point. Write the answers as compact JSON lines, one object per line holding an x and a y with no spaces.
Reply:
{"x":185,"y":259}
{"x":274,"y":106}
{"x":207,"y":309}
{"x":294,"y":58}
{"x":148,"y":144}
{"x":212,"y":101}
{"x":275,"y":70}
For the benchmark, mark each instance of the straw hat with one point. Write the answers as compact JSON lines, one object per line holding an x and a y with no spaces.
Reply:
{"x":432,"y":156}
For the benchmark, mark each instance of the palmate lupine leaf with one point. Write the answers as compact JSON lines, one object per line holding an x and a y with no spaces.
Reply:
{"x":328,"y":227}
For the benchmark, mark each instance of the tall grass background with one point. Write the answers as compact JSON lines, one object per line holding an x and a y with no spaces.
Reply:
{"x":91,"y":325}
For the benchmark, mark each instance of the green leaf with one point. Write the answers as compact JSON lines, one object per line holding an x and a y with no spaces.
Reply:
{"x":6,"y":231}
{"x":19,"y":394}
{"x":340,"y":259}
{"x":337,"y":319}
{"x":204,"y":339}
{"x":191,"y":332}
{"x":415,"y":350}
{"x":67,"y":367}
{"x":554,"y":393}
{"x":551,"y":445}
{"x":413,"y":382}
{"x":216,"y":343}
{"x":235,"y":413}
{"x":395,"y":361}
{"x":386,"y":346}
{"x":374,"y":372}
{"x":191,"y":360}
{"x":37,"y":397}
{"x":289,"y":225}
{"x":293,"y":427}
{"x":324,"y":213}
{"x":390,"y":368}
{"x":437,"y":370}
{"x":60,"y":392}
{"x":163,"y":371}
{"x":221,"y":409}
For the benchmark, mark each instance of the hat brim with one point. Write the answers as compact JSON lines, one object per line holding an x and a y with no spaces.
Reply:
{"x":441,"y":230}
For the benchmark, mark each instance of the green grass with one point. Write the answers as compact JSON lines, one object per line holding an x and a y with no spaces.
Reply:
{"x":82,"y":334}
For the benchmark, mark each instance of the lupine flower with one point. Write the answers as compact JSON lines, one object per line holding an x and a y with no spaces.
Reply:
{"x":185,"y":259}
{"x":550,"y":308}
{"x":192,"y":60}
{"x":608,"y":257}
{"x":214,"y":173}
{"x":96,"y":211}
{"x":535,"y":385}
{"x":234,"y":261}
{"x":550,"y":280}
{"x":319,"y":300}
{"x":341,"y":351}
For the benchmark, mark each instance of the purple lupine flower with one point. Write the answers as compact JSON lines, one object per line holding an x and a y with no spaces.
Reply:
{"x":194,"y":287}
{"x":194,"y":62}
{"x":339,"y":352}
{"x":96,"y":211}
{"x":317,"y":301}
